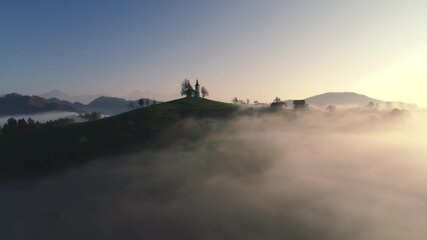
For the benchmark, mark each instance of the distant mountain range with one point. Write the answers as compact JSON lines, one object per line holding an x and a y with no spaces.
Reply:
{"x":113,"y":105}
{"x":148,"y":94}
{"x":16,"y":104}
{"x":85,"y":99}
{"x":13,"y":104}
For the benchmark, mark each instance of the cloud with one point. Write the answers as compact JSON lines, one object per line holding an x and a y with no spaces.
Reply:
{"x":353,"y":174}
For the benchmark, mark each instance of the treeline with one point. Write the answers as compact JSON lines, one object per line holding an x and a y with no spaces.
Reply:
{"x":18,"y":125}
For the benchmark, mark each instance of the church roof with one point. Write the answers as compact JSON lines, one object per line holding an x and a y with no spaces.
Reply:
{"x":197,"y":82}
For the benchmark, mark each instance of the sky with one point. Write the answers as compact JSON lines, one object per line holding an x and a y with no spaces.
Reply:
{"x":239,"y":48}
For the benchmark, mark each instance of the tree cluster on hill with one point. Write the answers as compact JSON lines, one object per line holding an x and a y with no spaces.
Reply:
{"x":145,"y":102}
{"x":278,"y":103}
{"x":18,"y":125}
{"x":141,"y":103}
{"x":13,"y":126}
{"x":235,"y":100}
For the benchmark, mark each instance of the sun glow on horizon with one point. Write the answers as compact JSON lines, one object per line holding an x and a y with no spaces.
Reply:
{"x":404,"y":77}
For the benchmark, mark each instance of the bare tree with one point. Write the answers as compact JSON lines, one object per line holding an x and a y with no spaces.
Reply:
{"x":141,"y":102}
{"x":186,"y":88}
{"x":204,"y":92}
{"x":131,"y":105}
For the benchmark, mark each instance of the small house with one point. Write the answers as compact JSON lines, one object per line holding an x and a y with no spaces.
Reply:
{"x":298,"y":104}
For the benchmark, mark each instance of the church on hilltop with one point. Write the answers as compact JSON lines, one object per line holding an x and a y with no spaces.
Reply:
{"x":197,"y":92}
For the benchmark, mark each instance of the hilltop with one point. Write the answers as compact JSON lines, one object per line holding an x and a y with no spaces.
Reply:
{"x":44,"y":150}
{"x":341,"y":98}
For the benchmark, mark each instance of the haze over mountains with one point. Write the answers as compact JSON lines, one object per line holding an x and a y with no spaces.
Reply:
{"x":13,"y":104}
{"x":18,"y":104}
{"x":152,"y":95}
{"x":86,"y":99}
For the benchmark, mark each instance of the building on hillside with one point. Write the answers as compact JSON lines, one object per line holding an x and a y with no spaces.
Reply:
{"x":197,"y":89}
{"x":299,"y":104}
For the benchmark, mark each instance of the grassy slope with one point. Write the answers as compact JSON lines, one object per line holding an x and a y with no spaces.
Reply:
{"x":50,"y":149}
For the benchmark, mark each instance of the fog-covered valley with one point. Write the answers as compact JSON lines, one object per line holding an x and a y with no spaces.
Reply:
{"x":41,"y":117}
{"x":347,"y":174}
{"x":45,"y":117}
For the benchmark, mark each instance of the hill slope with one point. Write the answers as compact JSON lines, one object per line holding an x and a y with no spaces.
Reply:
{"x":112,"y":105}
{"x":341,"y":98}
{"x":108,"y":105}
{"x":52,"y":148}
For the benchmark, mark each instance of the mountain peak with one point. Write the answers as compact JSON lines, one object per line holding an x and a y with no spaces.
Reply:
{"x":11,"y":95}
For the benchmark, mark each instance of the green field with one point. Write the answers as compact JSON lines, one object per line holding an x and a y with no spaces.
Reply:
{"x":46,"y":150}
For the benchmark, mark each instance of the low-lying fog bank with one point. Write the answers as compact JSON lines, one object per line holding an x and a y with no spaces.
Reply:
{"x":48,"y":116}
{"x":313,"y":175}
{"x":41,"y":117}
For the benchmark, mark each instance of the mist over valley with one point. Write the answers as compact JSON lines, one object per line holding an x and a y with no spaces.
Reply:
{"x":285,"y":174}
{"x":213,"y":120}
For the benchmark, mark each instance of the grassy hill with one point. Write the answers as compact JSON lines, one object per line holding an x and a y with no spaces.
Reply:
{"x":48,"y":149}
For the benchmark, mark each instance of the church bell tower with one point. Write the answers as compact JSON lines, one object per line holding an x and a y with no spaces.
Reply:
{"x":197,"y":90}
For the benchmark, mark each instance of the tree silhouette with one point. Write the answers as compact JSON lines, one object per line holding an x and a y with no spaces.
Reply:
{"x":235,"y":100}
{"x":31,"y":123}
{"x":22,"y":124}
{"x":277,"y":102}
{"x":372,"y":105}
{"x":141,"y":102}
{"x":131,"y":105}
{"x":186,"y":88}
{"x":204,"y":92}
{"x":331,"y":108}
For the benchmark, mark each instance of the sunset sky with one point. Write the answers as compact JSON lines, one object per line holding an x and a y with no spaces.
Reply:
{"x":243,"y":48}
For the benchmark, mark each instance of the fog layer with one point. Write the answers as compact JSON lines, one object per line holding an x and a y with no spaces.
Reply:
{"x":310,"y":175}
{"x":41,"y":117}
